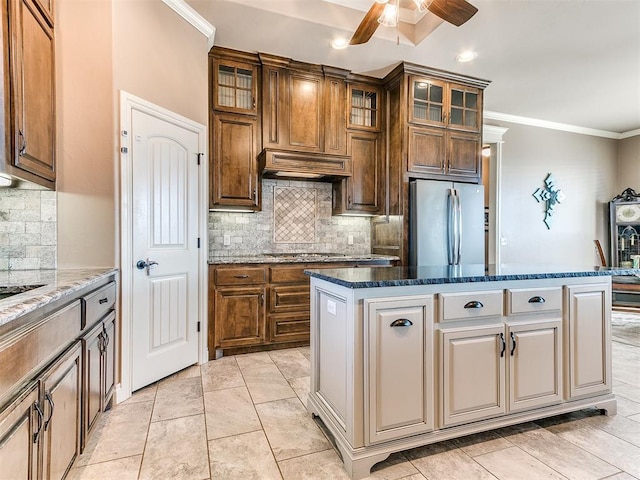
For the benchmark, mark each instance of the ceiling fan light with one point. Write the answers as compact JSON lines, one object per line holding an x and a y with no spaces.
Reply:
{"x":422,"y":5}
{"x":389,"y":17}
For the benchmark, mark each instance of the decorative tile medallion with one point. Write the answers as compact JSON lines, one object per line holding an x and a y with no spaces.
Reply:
{"x":294,"y":215}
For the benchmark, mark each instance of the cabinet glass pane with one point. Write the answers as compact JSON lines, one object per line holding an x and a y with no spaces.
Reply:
{"x":427,"y":101}
{"x":235,"y":87}
{"x":457,"y":98}
{"x":420,"y":90}
{"x":436,"y":93}
{"x":470,"y":119}
{"x":364,"y":107}
{"x":456,"y":116}
{"x":471,"y":100}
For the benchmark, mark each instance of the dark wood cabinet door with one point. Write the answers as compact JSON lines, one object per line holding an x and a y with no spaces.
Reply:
{"x":239,"y":316}
{"x":18,"y":423}
{"x":32,"y":90}
{"x":234,"y":86}
{"x":92,"y":369}
{"x":109,"y":359}
{"x":464,"y":154}
{"x":62,"y":406}
{"x":364,"y":107}
{"x":305,"y":115}
{"x":234,"y":166}
{"x":335,"y":121}
{"x":364,"y":188}
{"x":426,"y":150}
{"x":465,"y":108}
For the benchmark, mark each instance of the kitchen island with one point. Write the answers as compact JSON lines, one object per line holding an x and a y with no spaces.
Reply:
{"x":403,"y":357}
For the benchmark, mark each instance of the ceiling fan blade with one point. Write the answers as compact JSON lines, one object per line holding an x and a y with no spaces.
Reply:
{"x":455,"y":12}
{"x":368,"y":25}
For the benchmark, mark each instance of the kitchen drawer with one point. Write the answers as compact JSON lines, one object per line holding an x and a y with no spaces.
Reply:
{"x":289,"y":274}
{"x":240,"y":276}
{"x":470,"y":305}
{"x":98,"y":303}
{"x":533,"y":300}
{"x":289,"y":327}
{"x":284,"y":298}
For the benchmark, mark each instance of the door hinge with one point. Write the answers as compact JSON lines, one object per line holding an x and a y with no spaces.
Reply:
{"x":124,"y":150}
{"x":199,"y":155}
{"x":198,"y":242}
{"x":198,"y":326}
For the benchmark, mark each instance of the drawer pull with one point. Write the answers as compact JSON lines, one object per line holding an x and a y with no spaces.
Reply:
{"x":48,"y":398}
{"x":241,"y":276}
{"x":401,"y":322}
{"x":513,"y":343}
{"x":503,"y":345}
{"x":474,"y":304}
{"x":103,"y":300}
{"x":40,"y":413}
{"x":536,"y":299}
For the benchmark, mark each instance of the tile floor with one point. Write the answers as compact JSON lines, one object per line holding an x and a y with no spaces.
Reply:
{"x":244,"y":418}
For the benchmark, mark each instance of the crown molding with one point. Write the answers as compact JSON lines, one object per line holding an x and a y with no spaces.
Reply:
{"x":565,"y":127}
{"x":493,"y":133}
{"x":187,"y":12}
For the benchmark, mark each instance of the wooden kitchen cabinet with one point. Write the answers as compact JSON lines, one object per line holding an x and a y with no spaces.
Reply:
{"x":363,"y":192}
{"x":399,"y":367}
{"x":365,"y":107}
{"x":588,"y":339}
{"x":240,"y":316}
{"x":30,"y":114}
{"x":234,"y":123}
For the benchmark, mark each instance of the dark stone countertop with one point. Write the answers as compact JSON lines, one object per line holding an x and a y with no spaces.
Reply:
{"x":299,"y":258}
{"x":434,"y":275}
{"x":53,"y":285}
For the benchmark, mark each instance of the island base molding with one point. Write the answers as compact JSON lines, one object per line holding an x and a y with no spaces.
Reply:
{"x":359,"y":461}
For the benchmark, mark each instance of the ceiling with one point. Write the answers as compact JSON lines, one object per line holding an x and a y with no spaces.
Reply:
{"x":574,"y":62}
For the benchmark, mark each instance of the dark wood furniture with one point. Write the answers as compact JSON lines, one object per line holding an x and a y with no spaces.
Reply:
{"x":29,"y":91}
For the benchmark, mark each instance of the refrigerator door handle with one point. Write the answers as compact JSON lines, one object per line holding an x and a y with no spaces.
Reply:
{"x":459,"y":229}
{"x":451,"y":226}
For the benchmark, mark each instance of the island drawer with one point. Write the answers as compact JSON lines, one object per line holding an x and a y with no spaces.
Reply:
{"x":240,"y":276}
{"x":98,"y":303}
{"x":533,"y":300}
{"x":470,"y":305}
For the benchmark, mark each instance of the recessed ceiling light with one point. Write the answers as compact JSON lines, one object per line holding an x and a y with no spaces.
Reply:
{"x":339,"y":43}
{"x":466,"y":56}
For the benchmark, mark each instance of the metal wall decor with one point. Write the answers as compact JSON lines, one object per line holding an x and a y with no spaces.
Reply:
{"x":552,"y":195}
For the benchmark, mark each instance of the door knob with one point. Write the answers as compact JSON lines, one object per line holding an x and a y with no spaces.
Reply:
{"x":149,"y":264}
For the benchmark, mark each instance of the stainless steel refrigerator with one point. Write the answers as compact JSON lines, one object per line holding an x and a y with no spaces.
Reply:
{"x":446,"y":223}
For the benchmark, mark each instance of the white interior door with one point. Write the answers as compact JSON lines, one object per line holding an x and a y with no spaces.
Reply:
{"x":164,"y":216}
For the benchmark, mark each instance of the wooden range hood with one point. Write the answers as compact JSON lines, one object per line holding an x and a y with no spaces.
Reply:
{"x":320,"y":167}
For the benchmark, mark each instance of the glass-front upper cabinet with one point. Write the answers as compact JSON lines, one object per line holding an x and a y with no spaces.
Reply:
{"x":624,"y":216}
{"x":234,"y":87}
{"x":427,"y":101}
{"x":464,"y":108}
{"x":364,"y":107}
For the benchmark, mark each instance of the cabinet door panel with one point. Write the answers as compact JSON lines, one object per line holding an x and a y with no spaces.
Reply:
{"x":289,"y":327}
{"x":33,"y":89}
{"x":335,"y":133}
{"x":240,"y":318}
{"x":62,"y":407}
{"x":426,"y":150}
{"x":400,"y":357}
{"x":463,"y":154}
{"x":364,"y":187}
{"x":109,"y":360}
{"x":17,"y":425}
{"x":92,"y":359}
{"x":283,"y":298}
{"x":233,"y":176}
{"x":589,"y":339}
{"x":472,"y":374}
{"x":305,"y":112}
{"x":535,"y":365}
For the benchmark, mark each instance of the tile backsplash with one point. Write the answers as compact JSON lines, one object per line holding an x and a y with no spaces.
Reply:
{"x":295,"y":217}
{"x":27,"y":229}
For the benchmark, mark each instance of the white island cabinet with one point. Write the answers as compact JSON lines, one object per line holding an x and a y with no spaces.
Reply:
{"x":403,"y":357}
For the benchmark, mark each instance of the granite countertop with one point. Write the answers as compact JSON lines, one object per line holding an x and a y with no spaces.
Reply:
{"x":55,"y":284}
{"x":298,"y":258}
{"x":406,"y":276}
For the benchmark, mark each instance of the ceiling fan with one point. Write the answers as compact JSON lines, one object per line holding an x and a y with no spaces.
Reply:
{"x":385,"y":12}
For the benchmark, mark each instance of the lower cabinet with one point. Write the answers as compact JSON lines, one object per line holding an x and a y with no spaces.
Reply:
{"x":240,"y":318}
{"x":98,"y":346}
{"x":398,"y":364}
{"x":40,"y":431}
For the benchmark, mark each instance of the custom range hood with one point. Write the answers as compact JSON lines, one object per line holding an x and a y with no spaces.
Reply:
{"x":320,"y":167}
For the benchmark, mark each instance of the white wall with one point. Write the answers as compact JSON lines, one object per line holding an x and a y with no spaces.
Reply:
{"x":585,"y":169}
{"x":629,"y":164}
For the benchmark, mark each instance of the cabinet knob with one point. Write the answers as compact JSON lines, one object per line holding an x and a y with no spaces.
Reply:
{"x":401,"y":322}
{"x":473,"y":304}
{"x":536,"y":299}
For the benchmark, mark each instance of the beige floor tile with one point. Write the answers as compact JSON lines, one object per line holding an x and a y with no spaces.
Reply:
{"x":266,"y":383}
{"x":481,"y":443}
{"x":145,"y":394}
{"x":626,"y":407}
{"x":515,"y":464}
{"x":630,"y":392}
{"x":325,"y":465}
{"x":608,"y":447}
{"x":291,"y":363}
{"x":290,"y":429}
{"x":120,"y":433}
{"x":221,"y":373}
{"x":189,"y":372}
{"x":253,"y":360}
{"x":635,"y":418}
{"x":301,"y":386}
{"x":176,"y":449}
{"x":617,"y":425}
{"x":243,"y":457}
{"x":561,"y":455}
{"x":396,"y":467}
{"x":621,"y":476}
{"x":443,"y":461}
{"x":230,"y":412}
{"x":122,"y":469}
{"x":178,"y":398}
{"x":306,"y":351}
